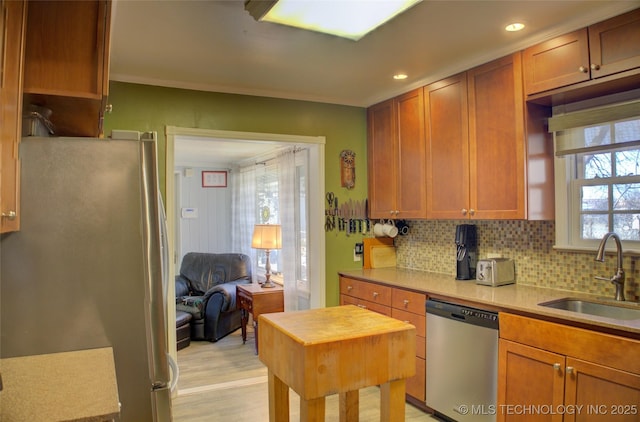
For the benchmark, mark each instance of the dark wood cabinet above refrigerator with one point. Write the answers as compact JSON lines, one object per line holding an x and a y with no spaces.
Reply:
{"x":66,"y":66}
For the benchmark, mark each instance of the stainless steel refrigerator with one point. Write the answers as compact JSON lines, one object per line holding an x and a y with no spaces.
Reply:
{"x":88,"y":267}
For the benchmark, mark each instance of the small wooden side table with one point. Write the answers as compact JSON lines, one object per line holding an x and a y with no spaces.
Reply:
{"x":256,"y":300}
{"x":340,"y":349}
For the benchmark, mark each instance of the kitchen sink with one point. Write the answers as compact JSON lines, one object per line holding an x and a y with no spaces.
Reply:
{"x":626,"y":311}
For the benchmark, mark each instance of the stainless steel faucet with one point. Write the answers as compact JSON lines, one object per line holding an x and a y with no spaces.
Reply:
{"x":618,"y":278}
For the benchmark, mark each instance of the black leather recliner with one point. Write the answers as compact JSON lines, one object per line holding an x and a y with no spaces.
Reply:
{"x":206,"y":288}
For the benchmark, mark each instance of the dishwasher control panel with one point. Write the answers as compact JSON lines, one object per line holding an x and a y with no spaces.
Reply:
{"x":479,"y":314}
{"x":463,"y":313}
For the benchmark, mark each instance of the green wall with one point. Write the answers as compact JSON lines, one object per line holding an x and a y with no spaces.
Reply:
{"x":151,"y":108}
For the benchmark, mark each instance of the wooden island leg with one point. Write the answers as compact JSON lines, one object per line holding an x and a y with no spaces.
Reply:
{"x":278,"y":399}
{"x":312,"y":410}
{"x":350,"y":406}
{"x":392,"y":397}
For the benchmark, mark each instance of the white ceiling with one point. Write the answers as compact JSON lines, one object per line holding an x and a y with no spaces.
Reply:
{"x":214,"y":45}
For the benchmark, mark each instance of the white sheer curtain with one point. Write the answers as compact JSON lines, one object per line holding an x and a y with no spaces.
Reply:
{"x":289,"y":256}
{"x":243,"y":213}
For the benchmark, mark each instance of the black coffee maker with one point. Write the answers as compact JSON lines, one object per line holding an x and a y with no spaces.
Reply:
{"x":466,"y":252}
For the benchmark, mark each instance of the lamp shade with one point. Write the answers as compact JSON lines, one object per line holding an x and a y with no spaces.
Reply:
{"x":267,"y":236}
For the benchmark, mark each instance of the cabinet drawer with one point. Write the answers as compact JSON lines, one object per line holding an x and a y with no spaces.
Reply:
{"x":593,"y":346}
{"x":371,"y":292}
{"x":245,"y":302}
{"x":409,"y":301}
{"x":416,"y":385}
{"x":365,"y":304}
{"x":267,"y":303}
{"x":419,"y":321}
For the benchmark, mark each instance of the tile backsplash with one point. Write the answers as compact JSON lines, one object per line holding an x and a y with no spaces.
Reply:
{"x":430,"y":246}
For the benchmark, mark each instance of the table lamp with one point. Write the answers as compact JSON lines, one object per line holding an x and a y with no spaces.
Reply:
{"x":267,"y":237}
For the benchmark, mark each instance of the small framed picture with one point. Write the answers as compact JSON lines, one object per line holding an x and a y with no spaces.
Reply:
{"x":214,"y":179}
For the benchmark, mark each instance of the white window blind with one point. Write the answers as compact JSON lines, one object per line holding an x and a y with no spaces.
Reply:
{"x":597,"y":129}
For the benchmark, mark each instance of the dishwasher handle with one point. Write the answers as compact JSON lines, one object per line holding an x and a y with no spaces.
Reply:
{"x":463,"y":314}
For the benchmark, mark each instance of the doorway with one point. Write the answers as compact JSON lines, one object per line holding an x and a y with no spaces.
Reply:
{"x":316,"y":236}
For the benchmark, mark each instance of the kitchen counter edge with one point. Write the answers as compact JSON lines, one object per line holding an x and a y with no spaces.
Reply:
{"x":514,"y":298}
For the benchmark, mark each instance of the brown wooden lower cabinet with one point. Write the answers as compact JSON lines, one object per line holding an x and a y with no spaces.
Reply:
{"x":372,"y":306}
{"x":397,"y":303}
{"x":416,"y":384}
{"x":552,"y":372}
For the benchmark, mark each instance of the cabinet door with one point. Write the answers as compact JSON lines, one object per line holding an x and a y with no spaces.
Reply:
{"x":447,"y":137}
{"x":381,"y":150}
{"x":411,"y":149}
{"x":12,"y":44}
{"x":416,"y":385}
{"x":66,"y":48}
{"x":558,"y":62}
{"x":67,"y":62}
{"x":496,"y":140}
{"x":528,"y":376}
{"x":601,"y":393}
{"x":614,"y":45}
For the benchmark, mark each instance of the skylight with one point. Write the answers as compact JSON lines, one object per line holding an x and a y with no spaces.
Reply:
{"x":351,"y":19}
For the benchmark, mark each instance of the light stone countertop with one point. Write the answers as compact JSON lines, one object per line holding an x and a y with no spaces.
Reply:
{"x":516,"y":298}
{"x":67,"y":386}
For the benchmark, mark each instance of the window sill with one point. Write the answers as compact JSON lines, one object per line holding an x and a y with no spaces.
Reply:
{"x":585,"y":249}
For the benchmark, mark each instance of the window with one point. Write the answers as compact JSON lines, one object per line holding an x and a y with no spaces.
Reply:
{"x":268,"y":202}
{"x":302,"y":218}
{"x":267,"y":209}
{"x":598,"y":183}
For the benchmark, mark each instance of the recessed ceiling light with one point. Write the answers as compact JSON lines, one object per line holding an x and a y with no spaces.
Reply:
{"x":347,"y":19}
{"x":400,"y":76}
{"x":513,"y":27}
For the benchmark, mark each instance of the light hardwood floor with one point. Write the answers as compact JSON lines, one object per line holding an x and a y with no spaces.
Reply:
{"x":225,"y":381}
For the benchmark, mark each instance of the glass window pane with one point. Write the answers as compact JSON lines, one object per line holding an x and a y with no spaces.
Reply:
{"x":626,"y":196}
{"x":596,"y":165}
{"x":627,"y":131}
{"x":595,"y":198}
{"x":267,"y":201}
{"x":597,"y":135}
{"x":627,"y":162}
{"x":627,"y":226}
{"x":301,"y":200}
{"x":267,"y":211}
{"x":594,"y":226}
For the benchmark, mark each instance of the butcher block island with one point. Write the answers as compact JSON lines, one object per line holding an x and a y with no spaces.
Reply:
{"x":336,"y":350}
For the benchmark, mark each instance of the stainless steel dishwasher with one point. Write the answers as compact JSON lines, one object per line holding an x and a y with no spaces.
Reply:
{"x":462,"y":362}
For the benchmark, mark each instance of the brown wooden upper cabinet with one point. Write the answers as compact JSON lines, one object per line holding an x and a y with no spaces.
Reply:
{"x":603,"y":49}
{"x":447,"y":136}
{"x":66,"y":65}
{"x":397,"y":158}
{"x":483,"y":141}
{"x":12,"y":44}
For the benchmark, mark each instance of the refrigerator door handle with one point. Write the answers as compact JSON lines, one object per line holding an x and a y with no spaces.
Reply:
{"x":175,"y":372}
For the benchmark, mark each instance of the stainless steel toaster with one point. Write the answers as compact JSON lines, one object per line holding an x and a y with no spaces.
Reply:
{"x":495,"y":272}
